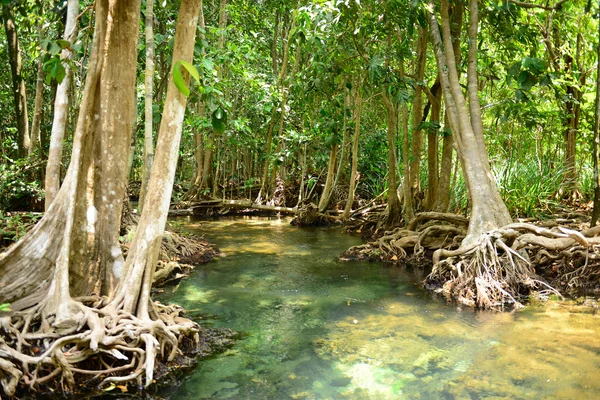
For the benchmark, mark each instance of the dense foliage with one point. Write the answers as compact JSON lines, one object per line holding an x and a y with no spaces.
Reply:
{"x":278,"y":82}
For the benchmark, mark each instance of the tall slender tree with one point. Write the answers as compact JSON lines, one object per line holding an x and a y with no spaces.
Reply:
{"x":61,"y":109}
{"x":596,"y":144}
{"x":16,"y":68}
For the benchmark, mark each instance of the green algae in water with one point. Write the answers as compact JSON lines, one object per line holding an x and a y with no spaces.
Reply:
{"x":320,"y":329}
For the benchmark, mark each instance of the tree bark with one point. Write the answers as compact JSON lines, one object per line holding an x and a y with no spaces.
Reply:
{"x":19,"y":94}
{"x":596,"y":156}
{"x":488,"y":210}
{"x":30,"y":267}
{"x":50,"y":252}
{"x":442,"y":201}
{"x":445,"y":183}
{"x":39,"y":96}
{"x":394,"y":211}
{"x":414,"y":170}
{"x":148,"y":90}
{"x":433,"y":146}
{"x":134,"y":289}
{"x":354,"y":171}
{"x":61,"y":110}
{"x":326,"y":195}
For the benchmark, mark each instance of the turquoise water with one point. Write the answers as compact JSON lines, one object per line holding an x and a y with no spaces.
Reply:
{"x":322,"y":329}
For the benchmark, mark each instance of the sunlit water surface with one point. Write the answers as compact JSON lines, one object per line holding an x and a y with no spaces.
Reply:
{"x":322,"y":329}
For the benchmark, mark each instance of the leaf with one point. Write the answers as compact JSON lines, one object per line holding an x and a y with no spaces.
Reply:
{"x":63,"y":43}
{"x":219,"y":120}
{"x":54,"y":48}
{"x":178,"y":80}
{"x":60,"y":73}
{"x":110,"y":387}
{"x":123,"y":388}
{"x":191,"y":69}
{"x":535,"y":65}
{"x":208,"y":64}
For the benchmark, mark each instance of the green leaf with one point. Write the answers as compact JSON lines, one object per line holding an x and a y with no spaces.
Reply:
{"x":535,"y":65}
{"x":219,"y":120}
{"x":191,"y":69}
{"x":63,"y":43}
{"x":178,"y":80}
{"x":208,"y":65}
{"x":54,"y":48}
{"x":60,"y":73}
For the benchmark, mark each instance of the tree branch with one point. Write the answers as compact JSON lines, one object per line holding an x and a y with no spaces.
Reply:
{"x":529,"y":5}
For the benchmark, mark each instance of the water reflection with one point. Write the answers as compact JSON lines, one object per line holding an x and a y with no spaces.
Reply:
{"x":320,"y":329}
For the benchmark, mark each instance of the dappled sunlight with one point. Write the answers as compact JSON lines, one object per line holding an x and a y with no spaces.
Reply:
{"x":199,"y":296}
{"x":320,"y":329}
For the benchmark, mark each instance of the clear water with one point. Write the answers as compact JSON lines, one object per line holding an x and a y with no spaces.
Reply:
{"x":322,"y":329}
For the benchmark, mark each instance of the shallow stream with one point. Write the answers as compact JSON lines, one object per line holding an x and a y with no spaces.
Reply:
{"x":322,"y":329}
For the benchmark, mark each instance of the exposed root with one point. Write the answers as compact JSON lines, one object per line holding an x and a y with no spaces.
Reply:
{"x":178,"y":256}
{"x":170,"y":271}
{"x":420,"y":236}
{"x":308,"y":215}
{"x":488,"y":274}
{"x":501,"y":267}
{"x":97,"y":346}
{"x":507,"y":264}
{"x":186,"y":249}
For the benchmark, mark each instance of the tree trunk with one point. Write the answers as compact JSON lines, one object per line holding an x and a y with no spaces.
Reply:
{"x":354,"y":171}
{"x":128,"y":321}
{"x":326,"y":195}
{"x":274,"y":43}
{"x":61,"y":110}
{"x":284,"y":100}
{"x":39,"y":96}
{"x":50,"y":237}
{"x":596,"y":211}
{"x":196,"y":188}
{"x":442,"y":201}
{"x":19,"y":94}
{"x":394,"y":212}
{"x":488,"y":210}
{"x":414,"y":171}
{"x":134,"y":289}
{"x":264,"y":186}
{"x":445,"y":183}
{"x":342,"y":159}
{"x":408,"y":210}
{"x":433,"y":146}
{"x":148,"y":90}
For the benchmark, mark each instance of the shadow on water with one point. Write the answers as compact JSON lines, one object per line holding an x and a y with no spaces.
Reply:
{"x":321,"y":329}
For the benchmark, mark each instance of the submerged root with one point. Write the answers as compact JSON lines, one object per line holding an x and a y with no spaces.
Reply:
{"x":95,"y":347}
